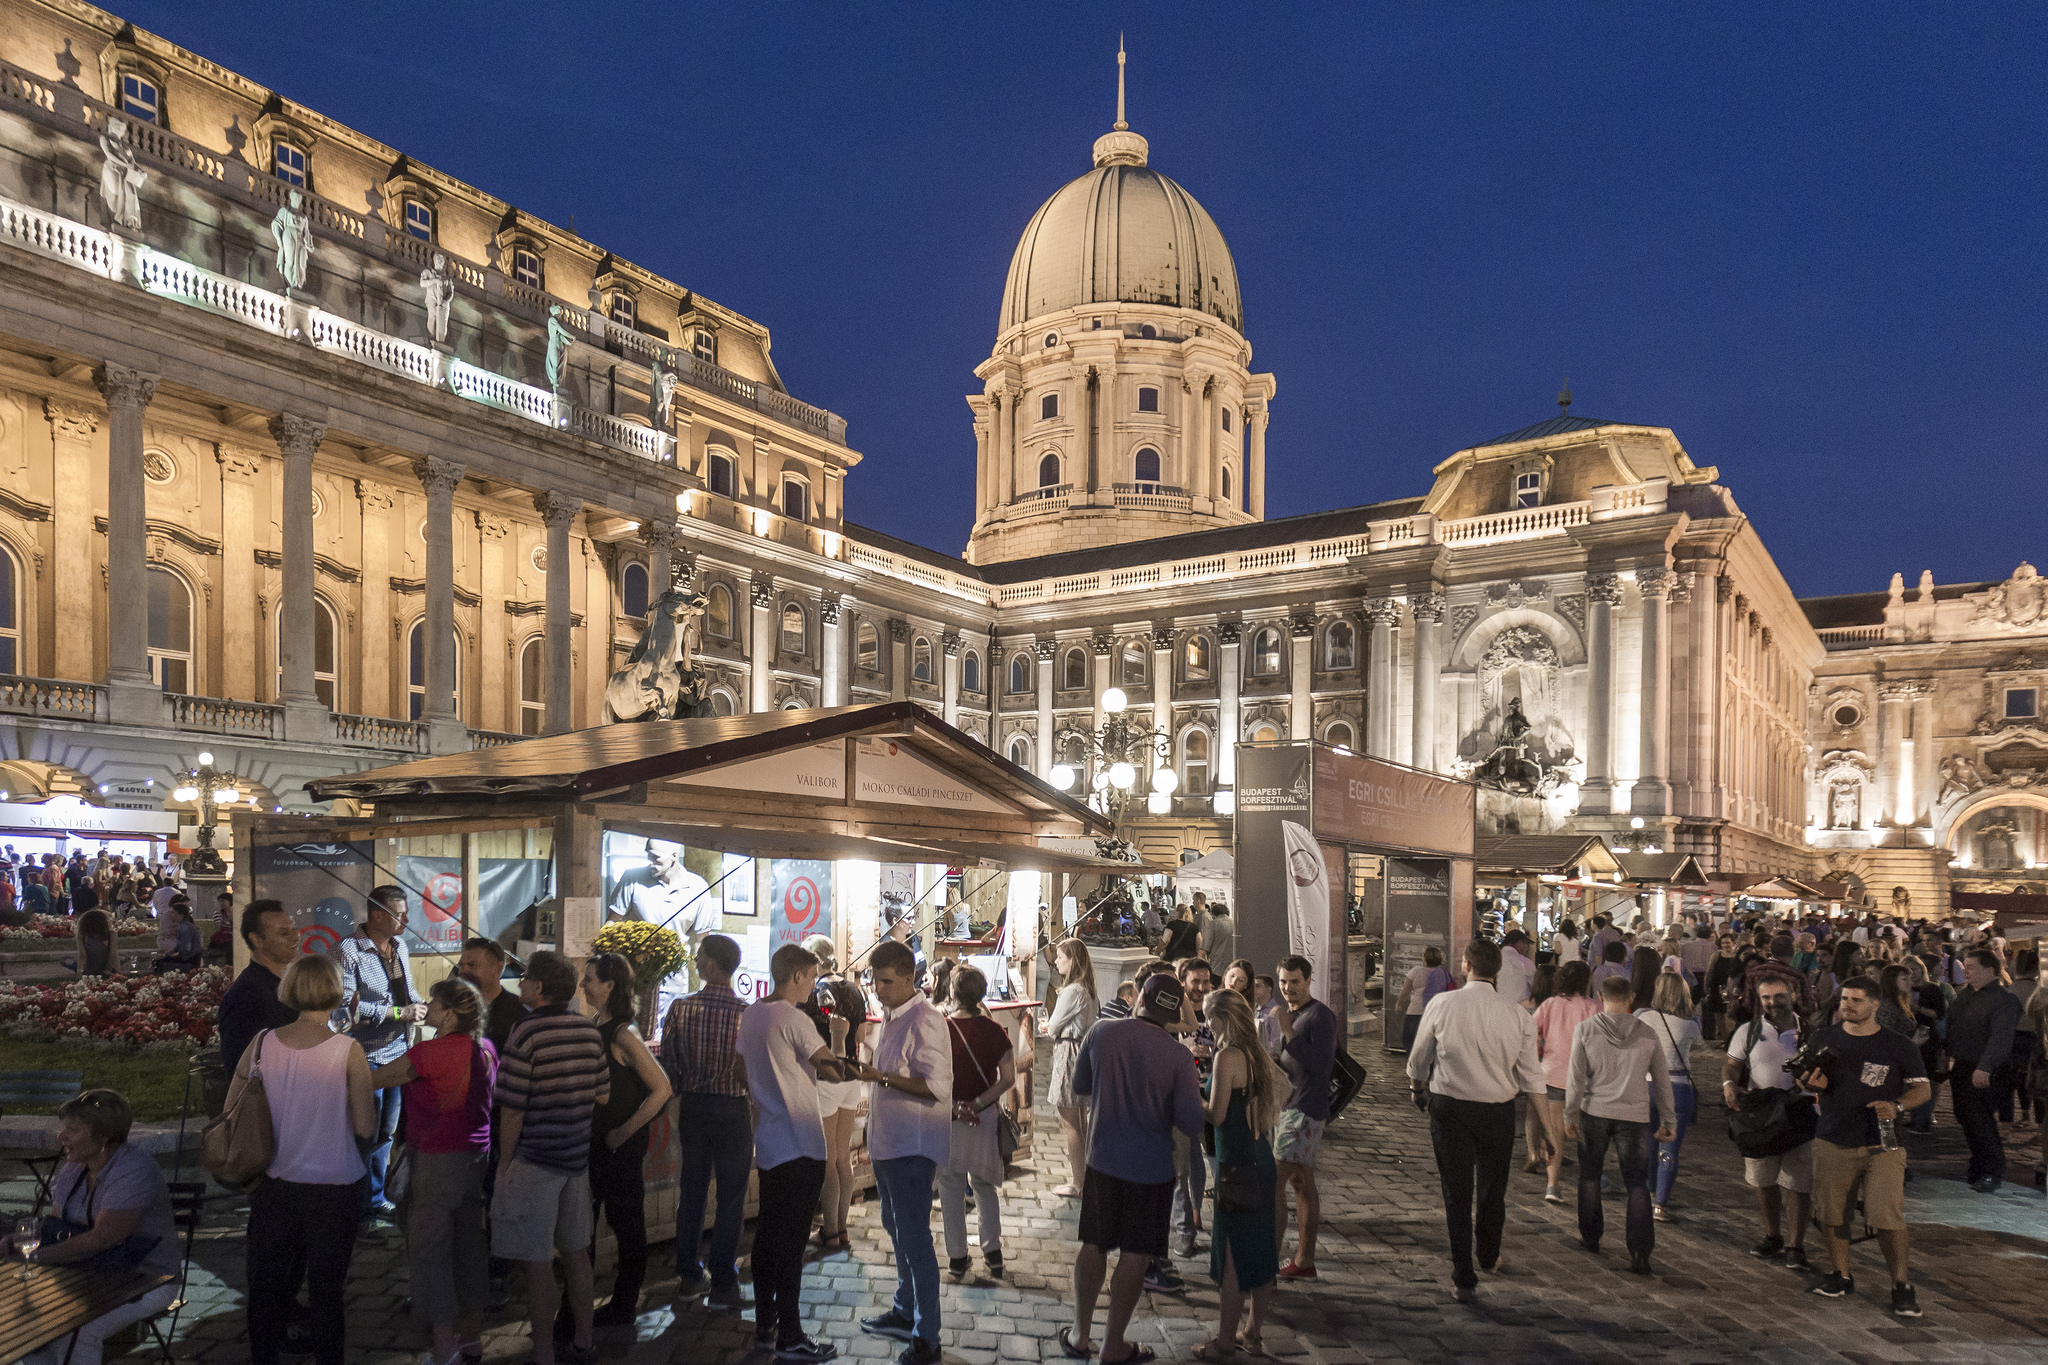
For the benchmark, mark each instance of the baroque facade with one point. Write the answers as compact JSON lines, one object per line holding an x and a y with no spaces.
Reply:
{"x":319,"y":458}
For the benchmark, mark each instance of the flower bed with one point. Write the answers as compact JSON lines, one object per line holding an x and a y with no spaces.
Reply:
{"x":42,"y":928}
{"x":173,"y":1012}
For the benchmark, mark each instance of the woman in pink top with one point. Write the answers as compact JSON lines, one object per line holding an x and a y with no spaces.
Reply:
{"x":448,"y":1082}
{"x":1556,"y":1020}
{"x":303,"y":1219}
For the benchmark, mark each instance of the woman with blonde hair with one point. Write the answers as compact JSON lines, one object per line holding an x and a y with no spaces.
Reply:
{"x":1669,"y":1015}
{"x":1073,"y":1014}
{"x":1246,"y":1092}
{"x":841,"y":1015}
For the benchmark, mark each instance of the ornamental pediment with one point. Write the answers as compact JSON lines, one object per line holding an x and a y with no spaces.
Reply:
{"x":2019,"y":603}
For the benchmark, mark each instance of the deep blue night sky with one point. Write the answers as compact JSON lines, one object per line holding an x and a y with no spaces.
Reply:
{"x":1809,"y":239}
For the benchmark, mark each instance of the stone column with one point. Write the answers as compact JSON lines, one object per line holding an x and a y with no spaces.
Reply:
{"x":1255,"y":471}
{"x":446,"y":731}
{"x":1046,"y":757}
{"x":662,"y":536}
{"x":73,"y":427}
{"x":238,"y":470}
{"x":899,"y":659}
{"x":1006,"y":446}
{"x":1427,"y":609}
{"x":557,"y":512}
{"x":1193,"y":404}
{"x":378,"y":690}
{"x":984,"y":478}
{"x":1895,"y":781}
{"x":129,"y":698}
{"x":1093,"y":400}
{"x":761,"y":645}
{"x":497,"y":690}
{"x":1925,"y":752}
{"x":1230,"y":676}
{"x":1652,"y":793}
{"x":1380,"y":701}
{"x":297,"y":438}
{"x":831,"y":653}
{"x":949,"y":643}
{"x":1596,"y":794}
{"x":1101,"y":677}
{"x":1301,"y":714}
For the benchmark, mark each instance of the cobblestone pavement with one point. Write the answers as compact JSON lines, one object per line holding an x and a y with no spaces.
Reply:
{"x":1981,"y":1264}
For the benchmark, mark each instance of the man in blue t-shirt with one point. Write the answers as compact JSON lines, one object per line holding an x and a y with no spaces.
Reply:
{"x":1308,"y":1051}
{"x":1142,"y":1083}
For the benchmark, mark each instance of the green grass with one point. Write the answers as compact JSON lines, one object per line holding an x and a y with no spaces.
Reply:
{"x":154,"y":1082}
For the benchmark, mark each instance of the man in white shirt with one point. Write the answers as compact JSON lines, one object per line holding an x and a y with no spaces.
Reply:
{"x":1517,"y":972}
{"x":1757,"y":1053}
{"x":910,"y":1132}
{"x":1473,"y":1052}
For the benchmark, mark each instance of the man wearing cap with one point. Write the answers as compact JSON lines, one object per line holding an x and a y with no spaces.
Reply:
{"x":1142,"y":1084}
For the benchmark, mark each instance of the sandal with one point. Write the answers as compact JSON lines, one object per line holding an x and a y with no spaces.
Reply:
{"x":1140,"y":1355}
{"x":1066,"y":1191}
{"x":1068,"y":1348}
{"x":1254,"y":1344}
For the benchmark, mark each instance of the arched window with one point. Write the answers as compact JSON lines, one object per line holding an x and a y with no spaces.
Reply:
{"x":718,"y":611}
{"x":1266,"y":653}
{"x":1195,"y":658}
{"x":1148,"y":399}
{"x":324,"y":653}
{"x":1074,"y":669}
{"x":793,"y":629}
{"x":1264,"y":733}
{"x":416,"y":674}
{"x":1340,"y":735}
{"x":1148,"y":332}
{"x":721,"y":703}
{"x":1145,"y":469}
{"x":1134,"y":664}
{"x":921,"y":660}
{"x":796,"y":498}
{"x":10,"y":613}
{"x":1340,"y":646}
{"x":533,"y":698}
{"x":1226,"y":483}
{"x":868,"y":647}
{"x":1194,"y":762}
{"x":633,"y":590}
{"x":1074,"y":753}
{"x":1020,"y":673}
{"x":170,"y":630}
{"x":1020,"y":752}
{"x":970,"y":671}
{"x":722,"y":474}
{"x":1049,"y":472}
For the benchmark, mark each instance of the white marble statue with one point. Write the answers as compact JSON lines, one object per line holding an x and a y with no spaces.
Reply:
{"x":294,"y":240}
{"x":664,"y":394}
{"x":121,"y":179}
{"x":437,"y":284}
{"x":558,"y":349}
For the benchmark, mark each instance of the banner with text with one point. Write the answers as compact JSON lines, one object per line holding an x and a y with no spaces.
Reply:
{"x":1418,"y":918}
{"x":320,"y":884}
{"x":1272,"y":793}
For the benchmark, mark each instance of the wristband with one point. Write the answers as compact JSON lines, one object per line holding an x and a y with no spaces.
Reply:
{"x":397,"y":1012}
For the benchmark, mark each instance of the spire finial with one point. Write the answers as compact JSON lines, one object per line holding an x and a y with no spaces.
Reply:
{"x":1564,"y":397}
{"x":1121,"y":126}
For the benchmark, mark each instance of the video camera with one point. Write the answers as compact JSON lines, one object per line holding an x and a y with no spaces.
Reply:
{"x":1813,"y":1055}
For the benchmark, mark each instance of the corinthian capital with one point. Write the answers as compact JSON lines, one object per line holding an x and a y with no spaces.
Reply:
{"x":661,"y":533}
{"x":296,"y":436}
{"x":1427,"y":606}
{"x":437,"y":476}
{"x":1603,"y":587}
{"x":71,"y":421}
{"x":123,"y":387}
{"x":556,"y":509}
{"x":1653,"y":583}
{"x":1382,"y":611}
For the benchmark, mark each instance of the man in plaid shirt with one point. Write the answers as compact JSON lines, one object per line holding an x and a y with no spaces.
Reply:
{"x":700,"y":1053}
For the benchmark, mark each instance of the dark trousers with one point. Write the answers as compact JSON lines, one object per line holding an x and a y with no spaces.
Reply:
{"x":1977,"y":1114}
{"x":1475,"y":1146}
{"x":301,"y":1230}
{"x":617,"y":1189}
{"x":1631,"y":1142}
{"x":717,"y":1138}
{"x":789,"y":1197}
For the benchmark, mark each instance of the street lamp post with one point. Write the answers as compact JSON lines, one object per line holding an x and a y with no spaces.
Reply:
{"x":1115,"y":750}
{"x":210,"y":789}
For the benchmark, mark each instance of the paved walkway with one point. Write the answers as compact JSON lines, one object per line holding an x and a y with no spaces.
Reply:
{"x":1981,"y":1264}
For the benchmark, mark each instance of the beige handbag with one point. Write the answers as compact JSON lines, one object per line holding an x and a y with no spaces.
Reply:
{"x":237,"y":1148}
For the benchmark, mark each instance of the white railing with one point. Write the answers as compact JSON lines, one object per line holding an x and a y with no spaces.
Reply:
{"x":645,"y":442}
{"x":1843,"y":635}
{"x":203,"y":289}
{"x":1630,"y":499}
{"x":343,"y":337}
{"x":58,"y":238}
{"x":1524,"y":523}
{"x":20,"y":696}
{"x":496,"y":391}
{"x":895,"y":566}
{"x":381,"y":732}
{"x":1156,"y":502}
{"x":491,"y":739}
{"x":1279,"y":558}
{"x":224,"y":717}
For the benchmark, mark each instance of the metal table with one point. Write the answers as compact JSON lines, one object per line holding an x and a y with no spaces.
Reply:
{"x":58,"y":1300}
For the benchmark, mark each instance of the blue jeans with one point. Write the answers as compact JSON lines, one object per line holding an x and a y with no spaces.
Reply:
{"x":905,"y":1185}
{"x":1631,"y":1143}
{"x":1687,"y":1101}
{"x":717,"y":1138}
{"x":389,"y":1104}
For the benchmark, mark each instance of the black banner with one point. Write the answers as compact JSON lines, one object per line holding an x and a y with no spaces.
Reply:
{"x":1418,"y":917}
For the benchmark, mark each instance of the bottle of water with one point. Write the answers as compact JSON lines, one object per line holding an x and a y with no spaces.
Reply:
{"x":1888,"y":1133}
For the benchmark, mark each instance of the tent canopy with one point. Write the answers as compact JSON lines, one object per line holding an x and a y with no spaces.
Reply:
{"x":1778,"y":889}
{"x":1544,"y":855}
{"x":1216,"y":865}
{"x":1661,"y":869}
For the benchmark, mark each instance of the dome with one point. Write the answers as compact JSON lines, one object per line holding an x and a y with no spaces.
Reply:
{"x":1123,"y":233}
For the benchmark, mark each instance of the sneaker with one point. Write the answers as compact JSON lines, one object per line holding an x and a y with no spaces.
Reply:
{"x":764,"y":1335}
{"x":1552,"y":1195}
{"x":891,"y":1324}
{"x":1464,"y":1293}
{"x":1986,"y":1185}
{"x":1638,"y":1265}
{"x":1160,"y":1278}
{"x":1184,"y":1246}
{"x":1905,"y":1304}
{"x":1769,"y":1249}
{"x":1657,"y":1214}
{"x":727,"y":1299}
{"x":1835,"y":1286}
{"x":995,"y":1262}
{"x":1291,"y":1271}
{"x":803,"y":1348}
{"x":958,"y":1266}
{"x":919,"y":1352}
{"x":1795,"y":1259}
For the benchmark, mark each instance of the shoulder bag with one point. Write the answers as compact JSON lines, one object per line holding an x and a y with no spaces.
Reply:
{"x":237,"y":1148}
{"x":55,"y":1228}
{"x":1770,"y":1122}
{"x":1008,"y":1135}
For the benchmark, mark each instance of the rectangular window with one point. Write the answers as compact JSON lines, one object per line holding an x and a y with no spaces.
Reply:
{"x":2020,"y":703}
{"x":290,"y":164}
{"x":419,"y":220}
{"x":623,"y":311}
{"x":1148,"y":400}
{"x":139,"y":98}
{"x":1226,"y":418}
{"x":526,"y":267}
{"x":795,"y":500}
{"x":721,"y":476}
{"x":1048,"y":407}
{"x":1528,"y":489}
{"x":704,"y":346}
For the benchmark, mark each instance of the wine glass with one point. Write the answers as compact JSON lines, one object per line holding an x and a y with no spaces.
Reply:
{"x":28,"y":1235}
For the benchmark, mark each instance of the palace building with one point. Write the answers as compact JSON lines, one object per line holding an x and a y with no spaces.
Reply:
{"x":316,"y":458}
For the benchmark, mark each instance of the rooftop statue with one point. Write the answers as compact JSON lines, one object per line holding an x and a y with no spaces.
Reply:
{"x":558,"y":349}
{"x":437,"y":284}
{"x":121,"y":179}
{"x":294,"y":235}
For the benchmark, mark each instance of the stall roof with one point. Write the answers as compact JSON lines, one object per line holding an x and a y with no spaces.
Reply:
{"x":1777,"y":889}
{"x":1661,"y":869}
{"x":1552,"y":855}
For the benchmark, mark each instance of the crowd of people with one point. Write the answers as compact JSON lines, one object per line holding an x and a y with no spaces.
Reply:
{"x":96,"y":890}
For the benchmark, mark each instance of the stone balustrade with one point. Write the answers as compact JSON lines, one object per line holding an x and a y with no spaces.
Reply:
{"x":54,"y":697}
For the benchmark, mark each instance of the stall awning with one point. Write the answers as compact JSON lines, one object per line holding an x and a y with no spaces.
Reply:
{"x":1777,"y":889}
{"x":1660,"y":869}
{"x":1543,"y":855}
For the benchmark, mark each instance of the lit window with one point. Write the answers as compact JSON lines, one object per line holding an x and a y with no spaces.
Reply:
{"x":633,"y":590}
{"x":139,"y":99}
{"x":290,"y":163}
{"x":533,"y":676}
{"x":793,"y":629}
{"x":723,"y":476}
{"x":1074,"y":670}
{"x":1145,"y":469}
{"x":1020,"y":673}
{"x":1266,"y":652}
{"x":869,"y":647}
{"x":1196,"y":656}
{"x":1048,"y":407}
{"x":796,"y":500}
{"x":1148,"y":399}
{"x":1265,"y":734}
{"x":10,"y":613}
{"x":526,"y":267}
{"x":1049,"y":472}
{"x":1528,"y":488}
{"x":704,"y":346}
{"x":921,"y":659}
{"x":970,"y":672}
{"x":1340,"y":646}
{"x":1194,"y":763}
{"x":416,"y":671}
{"x":1020,"y":752}
{"x":718,"y":611}
{"x":419,"y":220}
{"x":624,"y":311}
{"x":2020,"y":703}
{"x":323,"y":653}
{"x":1134,"y":664}
{"x":170,"y":631}
{"x":1339,"y":735}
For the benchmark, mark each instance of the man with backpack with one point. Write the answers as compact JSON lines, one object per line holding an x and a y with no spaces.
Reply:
{"x":1757,"y":1053}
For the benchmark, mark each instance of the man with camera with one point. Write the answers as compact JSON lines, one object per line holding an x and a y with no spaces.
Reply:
{"x":1757,"y":1053}
{"x":1865,"y":1075}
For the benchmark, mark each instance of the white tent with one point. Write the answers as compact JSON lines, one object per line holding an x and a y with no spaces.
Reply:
{"x":1212,"y":874}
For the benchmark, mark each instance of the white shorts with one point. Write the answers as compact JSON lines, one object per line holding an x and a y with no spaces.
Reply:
{"x":1296,"y":1137}
{"x":536,"y":1212}
{"x":1791,"y":1170}
{"x":834,"y":1096}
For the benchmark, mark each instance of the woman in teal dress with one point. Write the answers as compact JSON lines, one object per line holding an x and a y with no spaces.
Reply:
{"x":1246,"y":1090}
